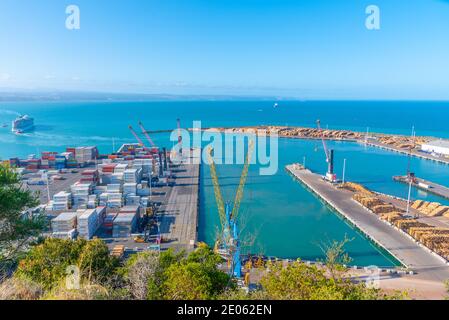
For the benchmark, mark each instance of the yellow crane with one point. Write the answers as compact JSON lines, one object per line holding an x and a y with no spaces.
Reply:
{"x":227,"y":240}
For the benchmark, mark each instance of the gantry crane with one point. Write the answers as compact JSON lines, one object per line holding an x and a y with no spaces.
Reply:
{"x":228,"y":243}
{"x":330,"y":175}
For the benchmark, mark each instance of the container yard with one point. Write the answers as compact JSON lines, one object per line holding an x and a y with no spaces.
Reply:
{"x":116,"y":196}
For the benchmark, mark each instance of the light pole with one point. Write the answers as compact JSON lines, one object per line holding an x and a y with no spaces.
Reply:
{"x":304,"y":162}
{"x":344,"y":170}
{"x":48,"y":185}
{"x":409,"y":194}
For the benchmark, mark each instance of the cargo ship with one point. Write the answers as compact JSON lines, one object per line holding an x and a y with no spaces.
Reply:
{"x":22,"y":124}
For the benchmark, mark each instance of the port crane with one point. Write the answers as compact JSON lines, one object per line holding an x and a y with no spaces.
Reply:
{"x":145,"y":132}
{"x":330,"y":175}
{"x":137,"y":137}
{"x":227,"y":243}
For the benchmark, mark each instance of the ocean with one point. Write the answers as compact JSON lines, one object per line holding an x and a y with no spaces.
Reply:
{"x":279,"y":217}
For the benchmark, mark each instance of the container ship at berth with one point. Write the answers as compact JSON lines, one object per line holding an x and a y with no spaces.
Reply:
{"x":22,"y":124}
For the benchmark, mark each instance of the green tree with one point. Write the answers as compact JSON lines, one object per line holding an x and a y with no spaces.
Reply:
{"x":141,"y":273}
{"x":299,"y":281}
{"x":145,"y":273}
{"x":336,"y":257}
{"x":196,"y":277}
{"x":46,"y":264}
{"x":17,"y":229}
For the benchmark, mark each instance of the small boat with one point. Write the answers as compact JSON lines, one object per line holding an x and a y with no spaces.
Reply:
{"x":276,"y":105}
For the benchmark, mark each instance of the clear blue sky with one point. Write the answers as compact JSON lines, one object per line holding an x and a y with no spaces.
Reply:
{"x":310,"y":49}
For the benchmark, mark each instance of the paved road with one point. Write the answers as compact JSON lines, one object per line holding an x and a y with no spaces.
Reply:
{"x":179,"y":213}
{"x":411,"y":254}
{"x":55,"y":186}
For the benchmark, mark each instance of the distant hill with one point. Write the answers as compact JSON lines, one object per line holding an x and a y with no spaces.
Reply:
{"x":6,"y":95}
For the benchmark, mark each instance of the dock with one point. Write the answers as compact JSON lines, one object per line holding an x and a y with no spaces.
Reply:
{"x":411,"y":254}
{"x":178,"y":214}
{"x":426,"y":185}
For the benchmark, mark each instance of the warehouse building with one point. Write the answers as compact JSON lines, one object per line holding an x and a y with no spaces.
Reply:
{"x":437,"y":146}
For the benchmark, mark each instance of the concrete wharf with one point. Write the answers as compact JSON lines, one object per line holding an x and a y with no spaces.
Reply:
{"x":410,"y":253}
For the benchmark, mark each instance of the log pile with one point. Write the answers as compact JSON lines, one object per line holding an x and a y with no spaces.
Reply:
{"x":391,"y":217}
{"x":384,"y":208}
{"x":318,"y":134}
{"x":360,"y":190}
{"x":431,"y":209}
{"x":406,"y":224}
{"x":436,"y":239}
{"x":369,"y":200}
{"x":402,"y":142}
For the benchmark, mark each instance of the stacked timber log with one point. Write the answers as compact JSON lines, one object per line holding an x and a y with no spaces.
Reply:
{"x":436,"y":239}
{"x":312,"y":133}
{"x":392,"y":216}
{"x":383,"y":208}
{"x":402,"y":142}
{"x":406,"y":224}
{"x":360,"y":190}
{"x":431,"y":209}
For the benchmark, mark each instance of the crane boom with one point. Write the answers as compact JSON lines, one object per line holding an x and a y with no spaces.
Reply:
{"x":239,"y":194}
{"x":136,"y":136}
{"x":330,"y":176}
{"x":228,"y":240}
{"x":145,"y":132}
{"x":217,"y":190}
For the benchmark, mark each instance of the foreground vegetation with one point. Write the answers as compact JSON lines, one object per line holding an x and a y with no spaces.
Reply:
{"x":42,"y":274}
{"x":17,"y":230}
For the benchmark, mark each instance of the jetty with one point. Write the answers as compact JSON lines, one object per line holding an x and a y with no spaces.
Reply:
{"x":426,"y":185}
{"x":410,"y":253}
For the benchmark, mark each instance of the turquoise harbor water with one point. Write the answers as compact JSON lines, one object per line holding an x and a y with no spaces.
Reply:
{"x":285,"y":219}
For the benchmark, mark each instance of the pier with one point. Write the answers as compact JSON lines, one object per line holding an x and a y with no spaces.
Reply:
{"x":178,"y":214}
{"x":425,"y":185}
{"x":411,"y":254}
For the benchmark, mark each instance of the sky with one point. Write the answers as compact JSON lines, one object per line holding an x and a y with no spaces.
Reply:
{"x":315,"y":49}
